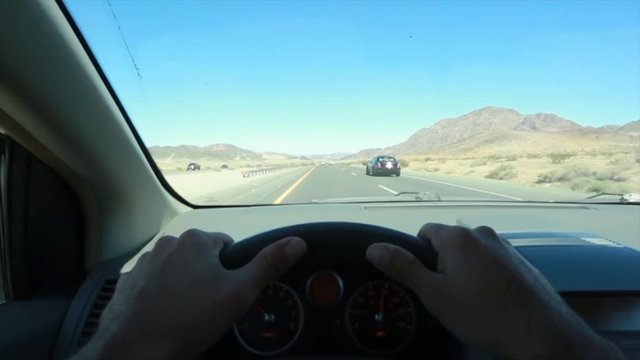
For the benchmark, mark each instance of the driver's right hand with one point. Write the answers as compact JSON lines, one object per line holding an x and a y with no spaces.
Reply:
{"x":491,"y":297}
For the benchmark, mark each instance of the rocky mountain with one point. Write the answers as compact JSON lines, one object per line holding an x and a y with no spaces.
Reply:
{"x":447,"y":131}
{"x":545,"y":123}
{"x":632,"y":127}
{"x":214,"y":151}
{"x":609,"y":127}
{"x":270,"y":155}
{"x":495,"y":125}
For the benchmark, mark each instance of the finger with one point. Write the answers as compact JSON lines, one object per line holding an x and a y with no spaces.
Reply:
{"x":140,"y":263}
{"x":226,"y":239}
{"x":273,"y":261}
{"x":197,"y":237}
{"x":433,"y":232}
{"x":164,"y":244}
{"x":487,"y":233}
{"x":404,"y":267}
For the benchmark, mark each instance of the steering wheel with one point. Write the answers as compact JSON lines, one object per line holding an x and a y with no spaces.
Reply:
{"x":339,"y":248}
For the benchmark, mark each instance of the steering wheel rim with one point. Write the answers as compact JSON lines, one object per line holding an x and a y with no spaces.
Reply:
{"x":329,"y":235}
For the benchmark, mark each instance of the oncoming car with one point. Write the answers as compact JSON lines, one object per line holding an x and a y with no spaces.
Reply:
{"x":193,"y":166}
{"x":383,"y":165}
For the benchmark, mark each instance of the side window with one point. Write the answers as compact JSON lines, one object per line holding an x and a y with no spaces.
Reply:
{"x":3,"y":187}
{"x":40,"y":252}
{"x":40,"y":228}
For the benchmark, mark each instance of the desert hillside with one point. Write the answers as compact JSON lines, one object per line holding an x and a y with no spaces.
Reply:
{"x":494,"y":130}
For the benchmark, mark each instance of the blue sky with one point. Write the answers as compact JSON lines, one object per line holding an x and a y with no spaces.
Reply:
{"x":306,"y":77}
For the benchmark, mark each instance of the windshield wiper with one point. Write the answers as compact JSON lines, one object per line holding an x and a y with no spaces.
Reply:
{"x":421,"y":195}
{"x":632,"y":198}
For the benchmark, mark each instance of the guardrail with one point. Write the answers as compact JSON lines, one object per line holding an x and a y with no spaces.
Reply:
{"x":265,"y":170}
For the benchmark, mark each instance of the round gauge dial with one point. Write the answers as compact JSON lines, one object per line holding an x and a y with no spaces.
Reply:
{"x":380,"y":317}
{"x":273,"y":322}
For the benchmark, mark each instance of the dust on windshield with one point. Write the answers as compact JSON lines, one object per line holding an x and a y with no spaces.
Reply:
{"x":277,"y":102}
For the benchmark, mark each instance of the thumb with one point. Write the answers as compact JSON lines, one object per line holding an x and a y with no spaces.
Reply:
{"x":274,"y":260}
{"x":403,"y":267}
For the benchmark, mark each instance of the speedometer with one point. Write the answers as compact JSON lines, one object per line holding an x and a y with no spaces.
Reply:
{"x":273,"y":322}
{"x":380,"y":317}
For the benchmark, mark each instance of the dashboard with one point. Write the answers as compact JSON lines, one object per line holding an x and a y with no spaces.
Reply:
{"x":372,"y":318}
{"x":329,"y":305}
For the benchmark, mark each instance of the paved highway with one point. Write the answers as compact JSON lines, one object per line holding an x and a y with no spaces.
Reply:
{"x":312,"y":183}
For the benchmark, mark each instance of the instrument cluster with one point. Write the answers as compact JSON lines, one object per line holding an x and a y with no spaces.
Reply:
{"x":376,"y":317}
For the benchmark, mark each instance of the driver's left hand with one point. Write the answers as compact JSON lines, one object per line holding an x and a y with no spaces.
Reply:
{"x":179,"y":300}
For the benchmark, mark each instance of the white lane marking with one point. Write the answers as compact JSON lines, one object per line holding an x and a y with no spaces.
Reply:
{"x":354,"y":174}
{"x":465,"y":187}
{"x":389,"y":190}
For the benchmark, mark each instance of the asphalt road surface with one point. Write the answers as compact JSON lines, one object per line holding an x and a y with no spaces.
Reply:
{"x":342,"y":182}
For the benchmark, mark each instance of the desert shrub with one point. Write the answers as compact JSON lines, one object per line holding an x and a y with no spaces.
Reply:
{"x":511,"y":157}
{"x":479,"y":162}
{"x":572,"y":172}
{"x":580,"y":184}
{"x":559,"y":158}
{"x":616,"y":161}
{"x":403,"y":163}
{"x":616,"y":174}
{"x":592,"y":153}
{"x":547,"y":177}
{"x":427,"y":159}
{"x":533,"y":156}
{"x":564,"y":175}
{"x":638,"y":157}
{"x":585,"y":184}
{"x":502,"y":172}
{"x":598,"y":187}
{"x":364,"y":162}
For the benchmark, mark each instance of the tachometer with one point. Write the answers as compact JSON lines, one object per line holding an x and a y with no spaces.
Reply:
{"x":380,"y":317}
{"x":273,"y":323}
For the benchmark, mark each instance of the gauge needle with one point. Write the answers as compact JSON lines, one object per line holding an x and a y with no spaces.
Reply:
{"x":383,"y":294}
{"x":261,"y":309}
{"x":267,"y":317}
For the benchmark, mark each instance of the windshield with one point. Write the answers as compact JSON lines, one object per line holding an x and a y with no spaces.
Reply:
{"x":268,"y":102}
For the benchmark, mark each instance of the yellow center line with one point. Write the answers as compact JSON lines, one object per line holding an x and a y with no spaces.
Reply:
{"x":292,"y":187}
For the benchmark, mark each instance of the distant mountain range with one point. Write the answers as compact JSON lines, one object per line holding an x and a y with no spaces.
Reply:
{"x":223,"y":152}
{"x":484,"y":131}
{"x":228,"y":152}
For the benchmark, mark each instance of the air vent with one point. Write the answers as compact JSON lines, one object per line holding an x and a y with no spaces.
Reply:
{"x":93,"y":317}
